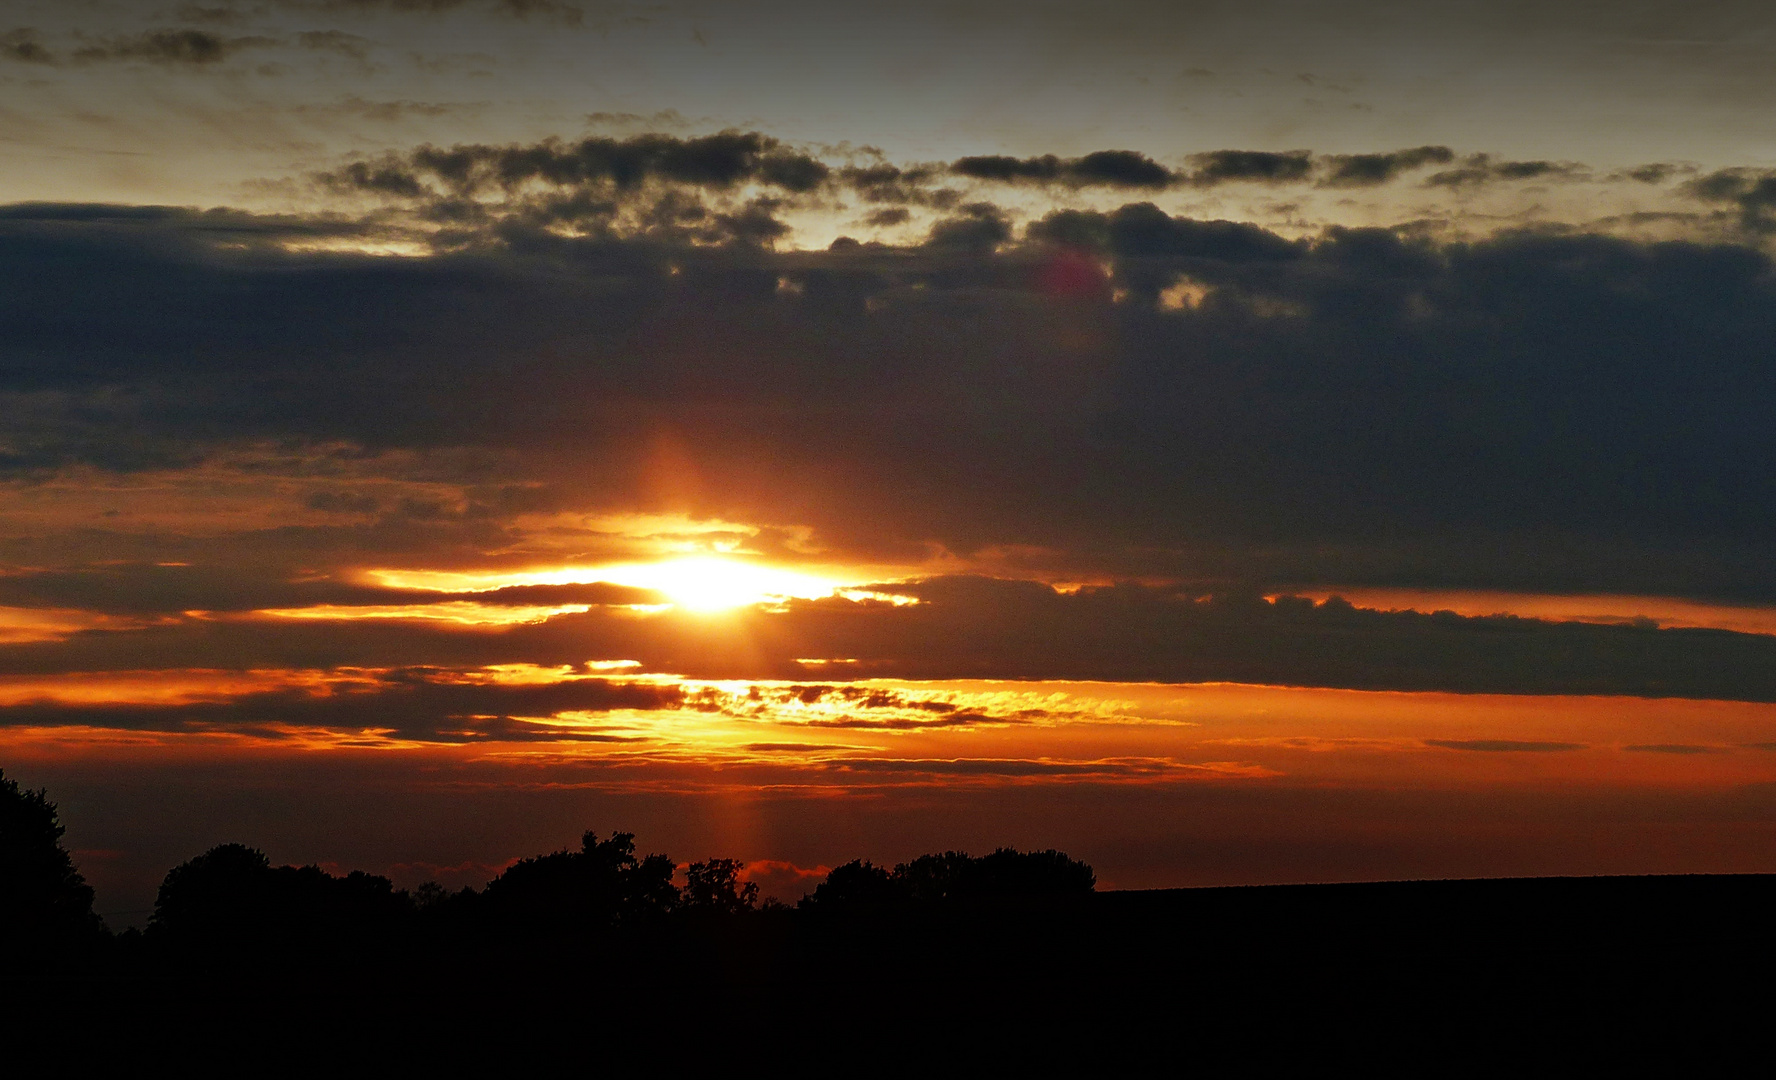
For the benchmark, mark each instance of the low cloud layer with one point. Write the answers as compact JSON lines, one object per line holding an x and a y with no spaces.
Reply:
{"x":1091,"y":395}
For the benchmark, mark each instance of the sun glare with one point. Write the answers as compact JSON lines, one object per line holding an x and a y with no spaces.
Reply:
{"x":691,"y":582}
{"x":708,"y":583}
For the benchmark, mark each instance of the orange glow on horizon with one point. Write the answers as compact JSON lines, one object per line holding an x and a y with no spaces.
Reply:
{"x":876,"y":734}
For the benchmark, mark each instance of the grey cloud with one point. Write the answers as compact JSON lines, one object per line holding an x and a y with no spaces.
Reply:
{"x":979,"y":227}
{"x":1657,"y":172}
{"x":882,"y":182}
{"x":1533,"y":411}
{"x":1751,"y":191}
{"x":1128,"y":169}
{"x":556,"y":10}
{"x":202,"y":13}
{"x":1368,"y":170}
{"x":173,"y":46}
{"x":338,"y":41}
{"x":1104,"y":168}
{"x":1142,"y":230}
{"x":1250,"y":166}
{"x":25,"y":46}
{"x":716,"y":161}
{"x":1484,"y":168}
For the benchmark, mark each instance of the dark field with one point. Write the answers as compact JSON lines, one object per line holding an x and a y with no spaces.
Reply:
{"x":1496,"y":973}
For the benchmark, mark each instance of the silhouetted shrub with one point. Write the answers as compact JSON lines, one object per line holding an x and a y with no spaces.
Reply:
{"x":45,"y":904}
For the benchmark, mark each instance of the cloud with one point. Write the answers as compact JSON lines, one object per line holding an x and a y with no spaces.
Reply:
{"x":1751,"y":191}
{"x":1532,"y":411}
{"x":882,"y":182}
{"x":649,"y":184}
{"x":722,"y":161}
{"x":1504,"y":746}
{"x":1672,"y":748}
{"x":1249,"y":166}
{"x":25,"y":46}
{"x":149,"y":588}
{"x":350,"y":45}
{"x":1129,"y":170}
{"x":1368,"y":170}
{"x":978,"y":228}
{"x":969,"y":628}
{"x":418,"y":703}
{"x":1104,"y":168}
{"x":1485,"y":169}
{"x":197,"y":48}
{"x":555,"y":10}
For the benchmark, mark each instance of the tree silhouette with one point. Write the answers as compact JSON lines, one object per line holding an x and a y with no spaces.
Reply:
{"x":45,"y":903}
{"x":589,"y":890}
{"x":953,"y":876}
{"x":857,"y":884}
{"x":225,"y":892}
{"x":231,"y":899}
{"x":933,"y":878}
{"x":1047,"y":873}
{"x":715,"y":886}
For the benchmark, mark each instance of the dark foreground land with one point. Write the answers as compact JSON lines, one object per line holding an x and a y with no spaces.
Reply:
{"x":603,"y":959}
{"x":1497,"y":972}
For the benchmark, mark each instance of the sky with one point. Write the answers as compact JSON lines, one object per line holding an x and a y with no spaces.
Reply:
{"x":1233,"y":443}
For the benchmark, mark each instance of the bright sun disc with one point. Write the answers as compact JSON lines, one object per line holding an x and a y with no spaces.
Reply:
{"x":694,"y":583}
{"x":714,"y":584}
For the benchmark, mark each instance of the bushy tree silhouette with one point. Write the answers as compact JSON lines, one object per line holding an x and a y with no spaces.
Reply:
{"x":933,"y":878}
{"x":586,"y":891}
{"x":1047,"y":873}
{"x":715,"y":887}
{"x":231,"y":899}
{"x":857,"y":884}
{"x":45,"y":904}
{"x":953,"y":876}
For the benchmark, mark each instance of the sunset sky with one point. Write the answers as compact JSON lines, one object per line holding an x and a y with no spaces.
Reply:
{"x":1230,"y":442}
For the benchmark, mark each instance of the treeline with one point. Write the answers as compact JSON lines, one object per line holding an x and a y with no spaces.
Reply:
{"x":231,"y":904}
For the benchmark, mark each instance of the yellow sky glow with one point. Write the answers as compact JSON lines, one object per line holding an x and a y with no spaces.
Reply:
{"x":697,"y":583}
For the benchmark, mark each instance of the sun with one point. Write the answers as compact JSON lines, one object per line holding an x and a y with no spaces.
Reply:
{"x":712,"y":583}
{"x":690,"y":583}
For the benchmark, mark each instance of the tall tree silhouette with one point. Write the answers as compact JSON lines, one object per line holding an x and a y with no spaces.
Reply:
{"x":45,"y":904}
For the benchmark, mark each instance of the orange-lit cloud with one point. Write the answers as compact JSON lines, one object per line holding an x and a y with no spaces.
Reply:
{"x":1663,"y":610}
